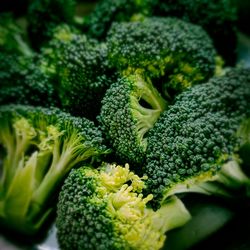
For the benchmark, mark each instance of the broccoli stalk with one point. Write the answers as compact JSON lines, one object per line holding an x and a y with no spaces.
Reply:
{"x":40,"y":147}
{"x":105,"y":208}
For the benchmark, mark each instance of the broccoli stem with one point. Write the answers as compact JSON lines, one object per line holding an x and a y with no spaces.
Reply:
{"x":146,"y":117}
{"x":172,"y":214}
{"x":232,"y":176}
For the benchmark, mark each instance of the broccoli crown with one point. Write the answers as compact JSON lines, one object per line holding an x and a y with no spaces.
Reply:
{"x":129,"y":109}
{"x":81,"y":69}
{"x":84,"y":76}
{"x":39,"y":147}
{"x":23,"y":82}
{"x":218,"y":18}
{"x":195,"y":136}
{"x":180,"y":52}
{"x":45,"y":15}
{"x":109,"y":11}
{"x":104,"y":209}
{"x":12,"y":36}
{"x":12,"y":68}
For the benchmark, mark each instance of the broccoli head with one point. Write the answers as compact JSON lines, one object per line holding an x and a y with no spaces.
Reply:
{"x":39,"y":147}
{"x":45,"y":15}
{"x":173,"y":53}
{"x":218,"y":18}
{"x":84,"y":76}
{"x":129,"y":109}
{"x":109,"y":11}
{"x":23,"y":82}
{"x":81,"y":69}
{"x":104,"y":208}
{"x":196,"y":140}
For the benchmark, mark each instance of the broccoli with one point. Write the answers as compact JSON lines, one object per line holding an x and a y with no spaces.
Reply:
{"x":173,"y":53}
{"x":129,"y":109}
{"x":39,"y":147}
{"x":218,"y":18}
{"x":170,"y":64}
{"x":104,"y":208}
{"x":81,"y":68}
{"x":198,"y":138}
{"x":45,"y":15}
{"x":108,"y":11}
{"x":12,"y":37}
{"x":23,"y":82}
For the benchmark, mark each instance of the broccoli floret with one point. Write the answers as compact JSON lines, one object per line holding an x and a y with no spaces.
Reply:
{"x":129,"y":109}
{"x":218,"y":18}
{"x":23,"y":82}
{"x":109,"y":11}
{"x":12,"y":37}
{"x":81,"y":68}
{"x":104,"y":208}
{"x":174,"y":53}
{"x":45,"y":15}
{"x":84,"y":76}
{"x":12,"y":68}
{"x":196,"y":139}
{"x":39,"y":147}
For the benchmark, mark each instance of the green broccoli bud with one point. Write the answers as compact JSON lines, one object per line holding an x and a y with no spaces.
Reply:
{"x":45,"y":15}
{"x":218,"y":18}
{"x":104,"y":208}
{"x":109,"y":11}
{"x":23,"y":82}
{"x":129,"y":109}
{"x":194,"y":139}
{"x":39,"y":147}
{"x":173,"y":53}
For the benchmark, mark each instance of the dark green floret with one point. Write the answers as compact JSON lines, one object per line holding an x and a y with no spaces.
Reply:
{"x":197,"y":139}
{"x":109,"y":11}
{"x":218,"y":18}
{"x":129,"y":109}
{"x":81,"y":68}
{"x":44,"y":15}
{"x":173,"y":53}
{"x":104,"y":208}
{"x":39,"y":147}
{"x":85,"y":75}
{"x":24,"y":82}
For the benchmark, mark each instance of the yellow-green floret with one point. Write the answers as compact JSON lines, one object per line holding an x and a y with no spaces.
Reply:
{"x":104,"y":208}
{"x":38,"y":147}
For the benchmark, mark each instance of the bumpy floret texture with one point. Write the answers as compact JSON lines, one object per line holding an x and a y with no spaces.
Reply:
{"x":197,"y":134}
{"x":23,"y":82}
{"x":124,"y":118}
{"x":218,"y":18}
{"x":180,"y":51}
{"x":39,"y":147}
{"x":109,"y":11}
{"x":84,"y":76}
{"x":104,"y":209}
{"x":119,"y":124}
{"x":45,"y":15}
